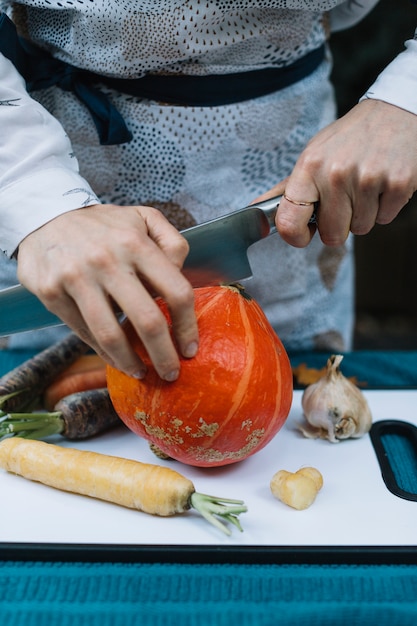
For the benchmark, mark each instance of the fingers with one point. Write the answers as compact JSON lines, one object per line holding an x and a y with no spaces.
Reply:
{"x":336,"y":218}
{"x":92,"y":317}
{"x":149,"y":322}
{"x":90,"y":314}
{"x":170,"y":283}
{"x":296,"y":220}
{"x":391,"y":203}
{"x":297,"y":214}
{"x":112,"y":260}
{"x":139,"y":306}
{"x":349,"y":203}
{"x":362,"y":171}
{"x":109,"y":342}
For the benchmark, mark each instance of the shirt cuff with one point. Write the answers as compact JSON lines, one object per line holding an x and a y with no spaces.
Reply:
{"x":37,"y":199}
{"x":397,"y":83}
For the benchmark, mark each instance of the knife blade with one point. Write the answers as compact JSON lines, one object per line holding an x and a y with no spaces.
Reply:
{"x":218,"y":254}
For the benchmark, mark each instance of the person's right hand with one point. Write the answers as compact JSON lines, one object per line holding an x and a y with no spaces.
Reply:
{"x":86,"y":263}
{"x":362,"y":169}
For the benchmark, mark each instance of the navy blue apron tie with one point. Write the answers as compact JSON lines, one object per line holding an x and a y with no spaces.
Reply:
{"x":41,"y":70}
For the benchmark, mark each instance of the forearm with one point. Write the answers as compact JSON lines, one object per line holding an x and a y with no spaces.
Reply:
{"x":39,"y":177}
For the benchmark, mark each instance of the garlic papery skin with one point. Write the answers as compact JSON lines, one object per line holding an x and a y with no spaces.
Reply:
{"x":334,"y":407}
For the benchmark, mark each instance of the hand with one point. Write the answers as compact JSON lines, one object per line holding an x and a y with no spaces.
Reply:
{"x":362,"y":169}
{"x":85,"y":263}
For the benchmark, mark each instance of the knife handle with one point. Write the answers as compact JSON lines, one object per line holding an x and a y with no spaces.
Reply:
{"x":270,"y":208}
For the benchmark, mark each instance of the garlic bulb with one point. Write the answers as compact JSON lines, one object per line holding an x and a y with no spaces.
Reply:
{"x":334,"y":407}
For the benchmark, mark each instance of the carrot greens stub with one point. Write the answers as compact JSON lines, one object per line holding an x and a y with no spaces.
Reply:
{"x":77,"y":416}
{"x":153,"y":489}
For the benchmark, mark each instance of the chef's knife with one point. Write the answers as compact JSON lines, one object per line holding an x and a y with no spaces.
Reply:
{"x":218,"y":254}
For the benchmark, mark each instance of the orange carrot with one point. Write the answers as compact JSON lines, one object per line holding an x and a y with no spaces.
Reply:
{"x":149,"y":488}
{"x":84,"y":363}
{"x":67,"y":385}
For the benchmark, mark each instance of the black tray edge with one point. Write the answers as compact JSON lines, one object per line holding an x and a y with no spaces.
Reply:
{"x":208,"y":554}
{"x":394,"y":427}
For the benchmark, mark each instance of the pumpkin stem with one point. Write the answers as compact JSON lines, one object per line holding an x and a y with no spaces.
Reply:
{"x":240,"y":289}
{"x":211,"y":506}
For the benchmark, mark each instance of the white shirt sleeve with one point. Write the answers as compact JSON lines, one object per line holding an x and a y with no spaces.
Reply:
{"x":397,"y":83}
{"x":39,"y":177}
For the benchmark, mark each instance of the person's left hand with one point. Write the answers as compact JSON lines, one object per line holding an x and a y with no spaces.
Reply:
{"x":361,"y":169}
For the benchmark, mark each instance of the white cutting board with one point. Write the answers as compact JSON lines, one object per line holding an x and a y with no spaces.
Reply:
{"x":354,"y":507}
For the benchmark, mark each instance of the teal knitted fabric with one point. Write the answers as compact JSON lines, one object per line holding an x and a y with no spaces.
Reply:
{"x":112,"y":594}
{"x":403,"y":460}
{"x":373,"y":368}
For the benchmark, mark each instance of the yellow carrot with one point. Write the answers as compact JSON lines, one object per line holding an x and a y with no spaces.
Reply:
{"x":149,"y":488}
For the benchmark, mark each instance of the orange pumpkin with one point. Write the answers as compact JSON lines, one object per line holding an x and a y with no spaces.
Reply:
{"x":228,"y":402}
